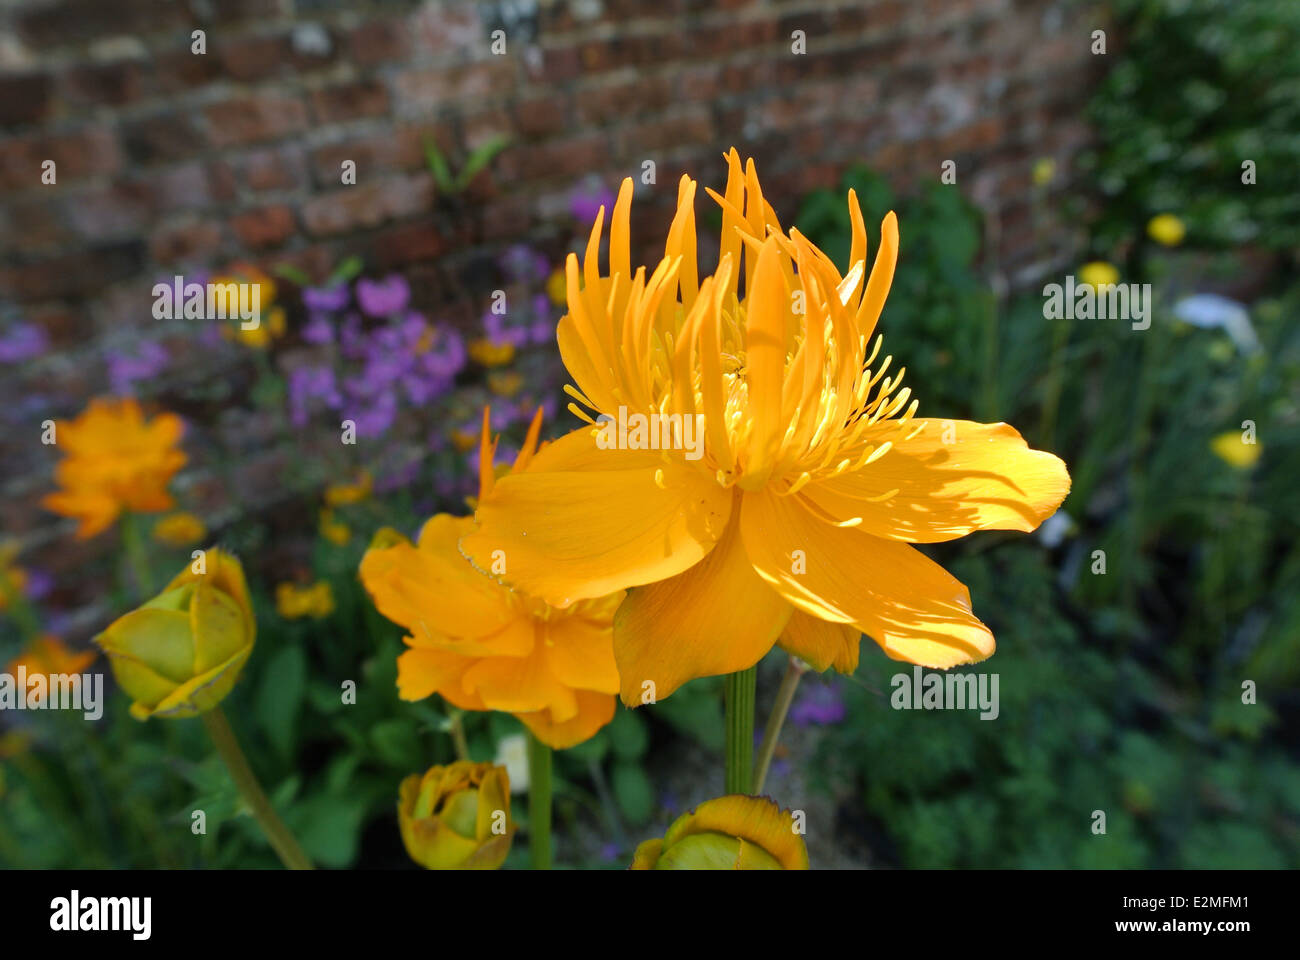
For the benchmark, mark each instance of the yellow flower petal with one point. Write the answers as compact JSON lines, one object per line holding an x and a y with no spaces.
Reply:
{"x":820,"y":643}
{"x":924,"y":490}
{"x":907,"y":603}
{"x":583,"y":522}
{"x":717,"y":617}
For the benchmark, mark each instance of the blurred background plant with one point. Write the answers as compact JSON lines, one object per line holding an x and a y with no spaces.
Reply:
{"x":1120,"y":691}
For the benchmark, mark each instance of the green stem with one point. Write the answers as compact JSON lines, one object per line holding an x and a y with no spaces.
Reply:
{"x":739,"y":693}
{"x":283,"y":842}
{"x":772,"y":731}
{"x":458,"y":735}
{"x":539,"y":803}
{"x":136,"y":554}
{"x":21,"y":611}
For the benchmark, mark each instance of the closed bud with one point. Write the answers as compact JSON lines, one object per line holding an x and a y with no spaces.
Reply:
{"x":181,"y":653}
{"x":457,"y":817}
{"x":727,"y":833}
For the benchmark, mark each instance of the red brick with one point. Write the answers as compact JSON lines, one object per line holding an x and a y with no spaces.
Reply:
{"x":271,"y":168}
{"x":406,"y":244}
{"x":185,"y":242}
{"x":72,"y":274}
{"x":24,"y":98}
{"x":249,"y":57}
{"x":109,"y":84}
{"x":349,"y":101}
{"x":173,"y":135}
{"x":369,"y":205}
{"x":85,"y":153}
{"x":254,"y":119}
{"x":378,"y":42}
{"x":422,"y":91}
{"x":265,"y":227}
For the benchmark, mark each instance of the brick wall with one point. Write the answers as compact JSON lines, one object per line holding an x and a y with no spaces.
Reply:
{"x":168,"y":161}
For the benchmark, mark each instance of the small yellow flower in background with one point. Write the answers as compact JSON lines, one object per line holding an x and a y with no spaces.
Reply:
{"x":1098,"y":273}
{"x":271,"y":323}
{"x":181,"y":653}
{"x":483,"y":646}
{"x":791,"y":475}
{"x":1044,"y":171}
{"x":463,"y":440}
{"x":505,"y":384}
{"x":457,"y":817}
{"x":483,"y":351}
{"x":335,"y":531}
{"x":294,"y":602}
{"x":1232,"y":449}
{"x":345,"y":494}
{"x":1167,"y":230}
{"x":114,"y":460}
{"x":727,"y":833}
{"x":179,"y":529}
{"x":13,"y":578}
{"x":47,"y":655}
{"x":557,"y":286}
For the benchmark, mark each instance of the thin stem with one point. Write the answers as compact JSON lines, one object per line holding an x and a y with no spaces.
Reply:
{"x":136,"y":554}
{"x":539,"y":803}
{"x":739,"y":693}
{"x":284,"y":843}
{"x":458,"y":735}
{"x":21,"y":611}
{"x":776,"y":720}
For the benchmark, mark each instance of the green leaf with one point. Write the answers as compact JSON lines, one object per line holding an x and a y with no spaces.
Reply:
{"x":437,"y":164}
{"x":633,"y":791}
{"x":346,"y":271}
{"x":280,"y":697}
{"x":696,"y":715}
{"x":329,"y":827}
{"x":628,"y":734}
{"x":396,"y":743}
{"x":292,"y":274}
{"x":479,"y":159}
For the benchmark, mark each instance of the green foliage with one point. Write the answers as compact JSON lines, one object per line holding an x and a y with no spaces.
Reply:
{"x":1122,"y":691}
{"x":1194,"y":88}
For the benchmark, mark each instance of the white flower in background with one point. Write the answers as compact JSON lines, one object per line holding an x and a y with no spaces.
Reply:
{"x":512,"y":753}
{"x":1055,"y":529}
{"x":1211,"y":311}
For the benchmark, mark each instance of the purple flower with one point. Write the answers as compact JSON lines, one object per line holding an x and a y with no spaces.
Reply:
{"x":23,"y":341}
{"x":326,"y":299}
{"x":522,"y":264}
{"x":609,"y":851}
{"x":308,"y":384}
{"x":819,"y":703}
{"x":318,"y":329}
{"x":125,"y":370}
{"x":383,"y":298}
{"x":588,"y":198}
{"x":398,"y":477}
{"x":374,"y":418}
{"x":38,"y":584}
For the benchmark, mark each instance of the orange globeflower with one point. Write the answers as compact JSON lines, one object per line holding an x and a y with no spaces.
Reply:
{"x":48,"y":655}
{"x":483,"y":646}
{"x":758,"y":473}
{"x":114,"y":460}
